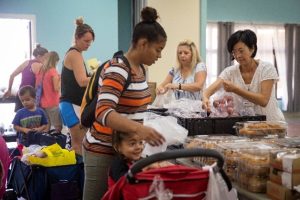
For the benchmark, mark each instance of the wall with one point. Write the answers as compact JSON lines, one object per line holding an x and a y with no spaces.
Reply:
{"x":124,"y":24}
{"x":272,"y":11}
{"x":180,"y":20}
{"x":55,"y":23}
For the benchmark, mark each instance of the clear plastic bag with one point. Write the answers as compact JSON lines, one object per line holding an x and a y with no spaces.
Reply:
{"x":217,"y":188}
{"x":168,"y":127}
{"x":163,"y":99}
{"x":223,"y":104}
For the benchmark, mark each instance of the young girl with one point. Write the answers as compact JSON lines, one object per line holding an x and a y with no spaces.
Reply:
{"x":51,"y":90}
{"x":129,"y":148}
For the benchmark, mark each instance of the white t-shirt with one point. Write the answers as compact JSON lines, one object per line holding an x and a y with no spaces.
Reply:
{"x":264,"y":71}
{"x":177,"y":78}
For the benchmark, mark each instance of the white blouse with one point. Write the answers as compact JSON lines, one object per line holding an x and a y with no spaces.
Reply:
{"x":264,"y":71}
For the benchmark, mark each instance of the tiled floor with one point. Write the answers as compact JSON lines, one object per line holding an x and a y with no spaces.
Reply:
{"x":293,"y":121}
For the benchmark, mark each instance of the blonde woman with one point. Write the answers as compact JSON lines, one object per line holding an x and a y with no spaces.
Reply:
{"x":189,"y":76}
{"x":51,"y":90}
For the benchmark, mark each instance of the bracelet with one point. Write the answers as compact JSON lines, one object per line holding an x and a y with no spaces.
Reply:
{"x":179,"y":87}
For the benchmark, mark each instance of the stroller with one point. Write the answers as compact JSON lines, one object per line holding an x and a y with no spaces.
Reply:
{"x":172,"y":182}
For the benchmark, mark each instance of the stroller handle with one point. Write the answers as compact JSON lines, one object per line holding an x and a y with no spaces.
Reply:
{"x":180,"y":153}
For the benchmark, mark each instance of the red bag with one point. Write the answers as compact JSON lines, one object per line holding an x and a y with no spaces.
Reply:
{"x":179,"y":180}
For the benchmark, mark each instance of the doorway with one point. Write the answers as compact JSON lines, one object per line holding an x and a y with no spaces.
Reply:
{"x":16,"y":46}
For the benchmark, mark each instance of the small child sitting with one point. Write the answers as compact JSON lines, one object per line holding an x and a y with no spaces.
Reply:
{"x":30,"y":118}
{"x":129,"y":148}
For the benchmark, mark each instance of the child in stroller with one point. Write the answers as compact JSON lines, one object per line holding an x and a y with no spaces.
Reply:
{"x":129,"y":148}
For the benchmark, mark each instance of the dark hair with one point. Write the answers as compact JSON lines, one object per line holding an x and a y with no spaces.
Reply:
{"x":82,"y":29}
{"x":27,"y":89}
{"x":246,"y":36}
{"x":148,"y":28}
{"x":39,"y":51}
{"x":117,"y":138}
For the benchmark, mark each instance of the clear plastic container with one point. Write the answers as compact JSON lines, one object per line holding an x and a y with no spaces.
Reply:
{"x":252,"y":183}
{"x":254,"y":162}
{"x":232,"y":155}
{"x":261,"y":128}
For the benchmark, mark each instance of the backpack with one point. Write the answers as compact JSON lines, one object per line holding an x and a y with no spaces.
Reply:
{"x":90,"y":98}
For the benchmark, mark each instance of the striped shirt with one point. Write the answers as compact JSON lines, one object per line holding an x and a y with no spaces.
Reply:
{"x":130,"y":102}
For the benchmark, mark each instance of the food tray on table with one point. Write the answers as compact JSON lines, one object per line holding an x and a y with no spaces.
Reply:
{"x":214,"y":125}
{"x":261,"y":128}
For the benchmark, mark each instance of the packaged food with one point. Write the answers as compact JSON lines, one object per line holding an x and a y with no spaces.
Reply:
{"x":210,"y":142}
{"x":286,"y":160}
{"x":254,"y":162}
{"x":261,"y":128}
{"x":288,"y":142}
{"x":252,"y":183}
{"x":232,"y":154}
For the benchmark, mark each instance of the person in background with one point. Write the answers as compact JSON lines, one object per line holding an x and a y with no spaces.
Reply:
{"x":51,"y":90}
{"x":74,"y":79}
{"x":189,"y":76}
{"x":29,"y":69}
{"x":29,"y":118}
{"x":4,"y":165}
{"x":251,"y":79}
{"x":122,"y":109}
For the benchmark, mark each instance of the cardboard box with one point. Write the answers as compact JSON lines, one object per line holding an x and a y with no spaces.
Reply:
{"x":288,"y":163}
{"x":286,"y":179}
{"x":278,"y":192}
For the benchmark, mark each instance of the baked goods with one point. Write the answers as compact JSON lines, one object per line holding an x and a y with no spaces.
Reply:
{"x":261,"y":128}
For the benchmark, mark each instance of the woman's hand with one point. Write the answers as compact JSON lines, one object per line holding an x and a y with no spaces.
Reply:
{"x":7,"y":94}
{"x":229,"y":86}
{"x":151,"y":136}
{"x":161,"y":90}
{"x":173,"y":86}
{"x":206,"y":104}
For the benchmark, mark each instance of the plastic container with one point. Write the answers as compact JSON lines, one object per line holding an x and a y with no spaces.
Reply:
{"x":261,"y":128}
{"x":254,"y":162}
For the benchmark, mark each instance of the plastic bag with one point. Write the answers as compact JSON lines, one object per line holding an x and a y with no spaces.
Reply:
{"x":223,"y":104}
{"x":168,"y":127}
{"x":53,"y":155}
{"x":217,"y":188}
{"x":163,"y":99}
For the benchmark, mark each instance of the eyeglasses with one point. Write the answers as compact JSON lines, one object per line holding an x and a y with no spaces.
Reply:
{"x":239,"y":51}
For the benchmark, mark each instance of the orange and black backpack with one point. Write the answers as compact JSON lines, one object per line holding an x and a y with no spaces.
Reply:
{"x":89,"y":101}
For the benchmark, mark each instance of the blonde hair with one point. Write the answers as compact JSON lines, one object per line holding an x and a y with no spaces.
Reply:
{"x":195,"y":54}
{"x":51,"y":61}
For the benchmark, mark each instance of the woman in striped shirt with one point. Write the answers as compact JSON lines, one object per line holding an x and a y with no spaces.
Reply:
{"x":121,"y":109}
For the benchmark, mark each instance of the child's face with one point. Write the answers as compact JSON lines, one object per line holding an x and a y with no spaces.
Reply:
{"x":132,"y":147}
{"x":27,"y":101}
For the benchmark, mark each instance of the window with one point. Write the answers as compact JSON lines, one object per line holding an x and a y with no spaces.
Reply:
{"x":211,"y":52}
{"x":15,"y":40}
{"x":268,"y":37}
